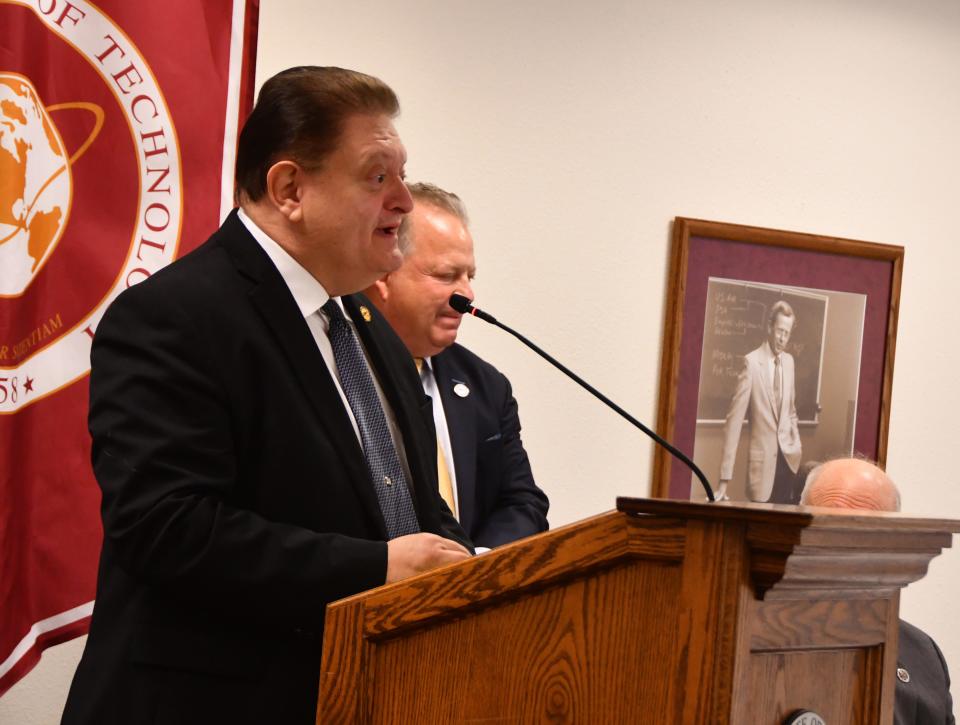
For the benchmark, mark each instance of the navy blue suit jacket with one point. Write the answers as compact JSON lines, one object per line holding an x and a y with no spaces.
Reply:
{"x":925,"y":699}
{"x":498,"y":499}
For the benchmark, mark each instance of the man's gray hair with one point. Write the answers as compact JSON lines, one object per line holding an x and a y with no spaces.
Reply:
{"x":782,"y":307}
{"x":423,"y":192}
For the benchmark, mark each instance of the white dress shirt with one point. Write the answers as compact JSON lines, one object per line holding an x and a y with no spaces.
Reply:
{"x":310,"y":296}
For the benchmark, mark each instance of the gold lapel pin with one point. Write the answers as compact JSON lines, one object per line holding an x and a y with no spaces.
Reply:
{"x":365,"y":313}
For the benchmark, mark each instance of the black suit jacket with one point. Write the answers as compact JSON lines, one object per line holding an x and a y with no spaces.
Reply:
{"x":498,"y":500}
{"x":925,"y":699}
{"x":236,"y":499}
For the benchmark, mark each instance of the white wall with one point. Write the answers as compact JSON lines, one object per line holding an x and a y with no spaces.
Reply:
{"x":576,"y":131}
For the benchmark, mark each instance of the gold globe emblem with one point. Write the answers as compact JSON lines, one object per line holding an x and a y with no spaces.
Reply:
{"x":36,"y":184}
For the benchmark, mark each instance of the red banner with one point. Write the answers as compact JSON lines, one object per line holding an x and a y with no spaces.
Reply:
{"x":118,"y":125}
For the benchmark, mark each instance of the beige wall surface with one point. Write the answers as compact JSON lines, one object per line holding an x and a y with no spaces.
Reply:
{"x":577,"y":131}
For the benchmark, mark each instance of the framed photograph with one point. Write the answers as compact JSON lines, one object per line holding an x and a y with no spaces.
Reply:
{"x":778,"y":354}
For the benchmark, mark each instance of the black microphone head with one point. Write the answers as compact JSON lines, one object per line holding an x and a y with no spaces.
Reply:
{"x":460,"y":304}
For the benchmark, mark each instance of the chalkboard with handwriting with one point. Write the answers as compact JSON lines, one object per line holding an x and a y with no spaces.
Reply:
{"x":736,"y":323}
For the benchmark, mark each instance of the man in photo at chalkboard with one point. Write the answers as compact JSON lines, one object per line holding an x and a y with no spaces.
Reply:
{"x":766,"y":385}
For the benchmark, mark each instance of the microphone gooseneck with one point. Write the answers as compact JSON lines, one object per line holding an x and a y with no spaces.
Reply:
{"x":464,"y":306}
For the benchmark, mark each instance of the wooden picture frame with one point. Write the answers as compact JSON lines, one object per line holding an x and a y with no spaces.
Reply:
{"x":723,"y":279}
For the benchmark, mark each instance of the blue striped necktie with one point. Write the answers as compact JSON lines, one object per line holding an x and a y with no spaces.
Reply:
{"x":386,"y":473}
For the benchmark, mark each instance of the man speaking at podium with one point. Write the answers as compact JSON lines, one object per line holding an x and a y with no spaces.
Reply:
{"x":484,"y":471}
{"x":259,"y":433}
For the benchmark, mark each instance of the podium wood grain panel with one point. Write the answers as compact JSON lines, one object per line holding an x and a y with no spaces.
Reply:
{"x":348,"y":653}
{"x":555,"y":656}
{"x":512,"y":570}
{"x":700,"y":689}
{"x":780,"y":625}
{"x":782,"y":683}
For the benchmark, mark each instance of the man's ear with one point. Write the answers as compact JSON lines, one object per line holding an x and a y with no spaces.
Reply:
{"x":284,"y":189}
{"x":380,"y":290}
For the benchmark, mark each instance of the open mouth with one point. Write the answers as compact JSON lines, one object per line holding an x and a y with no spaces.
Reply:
{"x":390,"y":231}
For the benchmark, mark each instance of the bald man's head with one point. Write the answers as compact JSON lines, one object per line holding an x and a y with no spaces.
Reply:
{"x":851,"y":483}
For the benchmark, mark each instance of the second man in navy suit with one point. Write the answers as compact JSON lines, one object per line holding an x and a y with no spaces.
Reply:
{"x":484,"y":471}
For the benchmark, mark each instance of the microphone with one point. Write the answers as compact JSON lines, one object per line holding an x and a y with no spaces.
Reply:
{"x":463,"y":305}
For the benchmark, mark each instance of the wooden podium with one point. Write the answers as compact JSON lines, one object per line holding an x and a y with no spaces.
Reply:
{"x":662,"y":612}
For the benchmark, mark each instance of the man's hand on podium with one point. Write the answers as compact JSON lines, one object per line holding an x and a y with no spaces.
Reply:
{"x":417,"y":553}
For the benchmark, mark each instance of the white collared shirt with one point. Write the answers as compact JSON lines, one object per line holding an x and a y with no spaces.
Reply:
{"x":429,"y":381}
{"x":310,"y":296}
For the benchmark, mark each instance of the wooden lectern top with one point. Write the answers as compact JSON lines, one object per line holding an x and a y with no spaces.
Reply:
{"x":831,"y":552}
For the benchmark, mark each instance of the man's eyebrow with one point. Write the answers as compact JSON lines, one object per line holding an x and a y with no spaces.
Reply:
{"x":379,"y":154}
{"x":452,"y":267}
